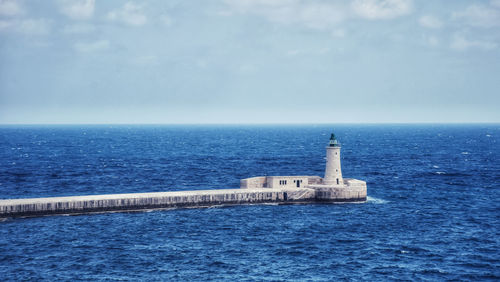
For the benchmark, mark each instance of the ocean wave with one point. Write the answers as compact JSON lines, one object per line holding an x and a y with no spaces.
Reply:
{"x":376,"y":200}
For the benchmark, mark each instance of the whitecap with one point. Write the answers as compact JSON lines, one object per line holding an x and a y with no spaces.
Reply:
{"x":440,"y":172}
{"x":375,"y":200}
{"x":435,"y":166}
{"x":465,"y":153}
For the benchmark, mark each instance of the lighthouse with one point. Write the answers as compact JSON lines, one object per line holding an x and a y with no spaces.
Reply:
{"x":331,"y":188}
{"x":333,"y":171}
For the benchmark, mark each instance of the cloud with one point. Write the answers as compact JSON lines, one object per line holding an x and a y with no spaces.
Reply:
{"x":166,"y":20}
{"x":381,"y":9}
{"x":145,"y":60}
{"x":78,"y":28}
{"x":308,"y":52}
{"x":276,"y":11}
{"x":77,"y":9}
{"x":292,"y":53}
{"x":431,"y":41}
{"x":130,"y":14}
{"x":26,"y":26}
{"x":338,"y":33}
{"x":89,"y":47}
{"x":247,"y":68}
{"x":10,"y":8}
{"x":310,"y":14}
{"x":430,"y":22}
{"x":319,"y":14}
{"x":246,"y":5}
{"x":460,"y":43}
{"x":479,"y":16}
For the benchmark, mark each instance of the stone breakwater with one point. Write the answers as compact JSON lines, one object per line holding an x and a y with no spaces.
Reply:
{"x":160,"y":200}
{"x":255,"y":190}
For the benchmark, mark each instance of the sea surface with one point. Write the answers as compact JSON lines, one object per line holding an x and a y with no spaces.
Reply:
{"x":433,"y":209}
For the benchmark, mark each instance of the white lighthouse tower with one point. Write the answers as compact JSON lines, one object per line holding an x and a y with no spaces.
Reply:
{"x":333,"y":171}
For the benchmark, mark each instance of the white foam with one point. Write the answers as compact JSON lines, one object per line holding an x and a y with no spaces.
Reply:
{"x":465,"y":153}
{"x":375,"y":200}
{"x":440,"y":172}
{"x":435,"y":166}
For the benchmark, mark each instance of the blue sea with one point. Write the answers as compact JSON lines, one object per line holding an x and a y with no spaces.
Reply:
{"x":433,"y":209}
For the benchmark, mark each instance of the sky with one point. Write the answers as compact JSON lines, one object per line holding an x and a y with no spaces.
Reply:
{"x":249,"y":61}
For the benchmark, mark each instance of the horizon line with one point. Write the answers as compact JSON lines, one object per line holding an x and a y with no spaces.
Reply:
{"x":257,"y":123}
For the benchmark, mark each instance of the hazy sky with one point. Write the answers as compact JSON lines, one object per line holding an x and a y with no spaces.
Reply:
{"x":282,"y":61}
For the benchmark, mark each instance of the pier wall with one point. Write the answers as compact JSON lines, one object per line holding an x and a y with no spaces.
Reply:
{"x":353,"y":190}
{"x":138,"y":201}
